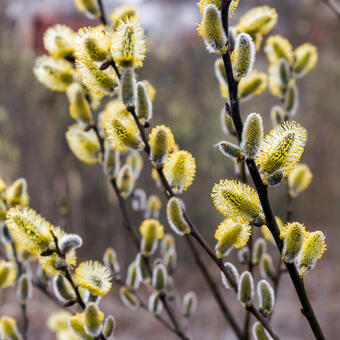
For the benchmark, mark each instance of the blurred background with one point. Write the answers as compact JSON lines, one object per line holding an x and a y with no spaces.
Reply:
{"x":33,"y":121}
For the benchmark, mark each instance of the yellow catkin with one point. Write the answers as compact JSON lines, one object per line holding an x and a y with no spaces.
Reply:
{"x":237,"y":201}
{"x":179,"y":170}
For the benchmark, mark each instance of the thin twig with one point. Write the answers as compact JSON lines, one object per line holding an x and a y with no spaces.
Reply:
{"x":214,"y":289}
{"x":262,"y":189}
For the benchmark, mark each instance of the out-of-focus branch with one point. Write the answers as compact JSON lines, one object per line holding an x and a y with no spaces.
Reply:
{"x":333,"y":6}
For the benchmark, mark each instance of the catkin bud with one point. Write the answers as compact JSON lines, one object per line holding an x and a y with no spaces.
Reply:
{"x":62,"y":289}
{"x":69,"y":242}
{"x":275,"y":178}
{"x":211,"y":30}
{"x":244,"y":55}
{"x":128,"y":298}
{"x":292,"y":100}
{"x":293,"y":237}
{"x":138,"y":200}
{"x":168,"y":244}
{"x":93,"y":320}
{"x":176,"y":218}
{"x":42,"y":276}
{"x":245,"y":288}
{"x":230,"y":150}
{"x":284,"y":72}
{"x":151,"y":231}
{"x":312,"y":249}
{"x":135,"y":160}
{"x":260,"y":333}
{"x":189,"y":304}
{"x":299,"y":180}
{"x":132,"y":279}
{"x":9,"y":329}
{"x":306,"y":57}
{"x":260,"y":248}
{"x":170,"y":260}
{"x":161,"y":141}
{"x":243,"y":255}
{"x":155,"y":304}
{"x":24,"y":288}
{"x":159,"y":277}
{"x":141,"y":269}
{"x":154,"y":206}
{"x":79,"y":107}
{"x":111,"y":161}
{"x":252,"y":135}
{"x":252,"y":85}
{"x":109,"y":327}
{"x":227,"y":122}
{"x":127,"y":87}
{"x":278,"y":115}
{"x":266,"y":266}
{"x":232,"y":270}
{"x":143,"y":103}
{"x":110,"y":260}
{"x":125,"y":180}
{"x":266,"y":296}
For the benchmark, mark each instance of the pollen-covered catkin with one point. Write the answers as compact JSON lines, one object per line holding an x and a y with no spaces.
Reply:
{"x":237,"y":200}
{"x":232,"y":270}
{"x":211,"y":30}
{"x":244,"y":56}
{"x":161,"y":140}
{"x":127,"y":87}
{"x":245,"y":288}
{"x":180,"y":170}
{"x":176,"y":218}
{"x":266,"y":296}
{"x":252,"y":135}
{"x":293,"y":235}
{"x":229,"y":235}
{"x":312,"y":250}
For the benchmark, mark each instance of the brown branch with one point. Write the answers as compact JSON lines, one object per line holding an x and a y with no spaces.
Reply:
{"x":262,"y":189}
